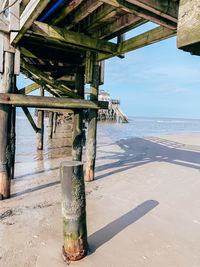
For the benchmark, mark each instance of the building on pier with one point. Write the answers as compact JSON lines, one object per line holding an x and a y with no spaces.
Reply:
{"x":113,"y":113}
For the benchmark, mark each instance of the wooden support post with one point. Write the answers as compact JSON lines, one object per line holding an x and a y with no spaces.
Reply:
{"x":73,"y":210}
{"x":13,"y":133}
{"x":50,"y":127}
{"x":77,"y":144}
{"x":40,"y":124}
{"x":5,"y":127}
{"x":55,"y":122}
{"x":92,"y":128}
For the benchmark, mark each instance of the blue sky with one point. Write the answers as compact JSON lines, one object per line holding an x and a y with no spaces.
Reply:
{"x":156,"y":81}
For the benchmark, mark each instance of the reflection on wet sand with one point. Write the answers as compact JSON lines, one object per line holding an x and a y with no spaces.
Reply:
{"x":60,"y":145}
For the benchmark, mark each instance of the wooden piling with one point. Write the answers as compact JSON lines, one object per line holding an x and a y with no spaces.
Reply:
{"x":92,"y":128}
{"x":40,"y":123}
{"x":5,"y":127}
{"x":73,"y":210}
{"x":13,"y":142}
{"x":77,"y":143}
{"x":13,"y":132}
{"x":55,"y":122}
{"x":50,"y":127}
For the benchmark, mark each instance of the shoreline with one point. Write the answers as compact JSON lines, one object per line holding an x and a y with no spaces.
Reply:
{"x":142,"y":209}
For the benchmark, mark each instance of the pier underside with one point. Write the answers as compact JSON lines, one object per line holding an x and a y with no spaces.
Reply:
{"x":61,"y":46}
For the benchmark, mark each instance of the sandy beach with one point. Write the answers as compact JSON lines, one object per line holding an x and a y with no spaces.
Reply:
{"x":142,"y":209}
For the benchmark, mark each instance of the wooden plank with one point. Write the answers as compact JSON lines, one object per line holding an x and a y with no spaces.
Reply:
{"x":156,"y":35}
{"x":147,"y":38}
{"x":29,"y":88}
{"x":99,"y":16}
{"x":143,"y":13}
{"x":29,"y":15}
{"x":20,"y":100}
{"x":57,"y":110}
{"x":164,"y":8}
{"x":66,"y":11}
{"x":14,"y":23}
{"x":48,"y":79}
{"x":89,"y":63}
{"x":61,"y":36}
{"x":4,"y":26}
{"x":121,"y":25}
{"x":4,"y":4}
{"x":188,"y":34}
{"x":87,"y":7}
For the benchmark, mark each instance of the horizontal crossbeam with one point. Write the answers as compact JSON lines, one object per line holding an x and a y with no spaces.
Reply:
{"x":29,"y":88}
{"x":156,"y":17}
{"x":62,"y":37}
{"x":19,"y":100}
{"x":48,"y":80}
{"x":158,"y":34}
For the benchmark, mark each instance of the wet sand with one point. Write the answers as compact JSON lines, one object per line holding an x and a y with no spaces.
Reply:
{"x":142,"y":209}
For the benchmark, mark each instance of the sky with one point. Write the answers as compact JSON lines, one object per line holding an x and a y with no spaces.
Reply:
{"x":155,"y":81}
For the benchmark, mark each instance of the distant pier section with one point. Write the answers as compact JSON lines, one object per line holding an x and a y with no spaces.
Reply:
{"x":113,"y":113}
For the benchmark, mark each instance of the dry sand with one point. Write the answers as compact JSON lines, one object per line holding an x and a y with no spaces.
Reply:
{"x":143,"y":209}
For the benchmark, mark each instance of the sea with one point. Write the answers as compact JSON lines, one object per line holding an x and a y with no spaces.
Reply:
{"x":59,"y":146}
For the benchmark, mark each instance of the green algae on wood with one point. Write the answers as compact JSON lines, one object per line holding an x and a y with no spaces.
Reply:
{"x":73,"y":209}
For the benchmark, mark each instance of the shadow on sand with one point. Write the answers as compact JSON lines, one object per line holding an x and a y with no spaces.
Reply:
{"x":137,"y":152}
{"x":140,"y":151}
{"x":106,"y":233}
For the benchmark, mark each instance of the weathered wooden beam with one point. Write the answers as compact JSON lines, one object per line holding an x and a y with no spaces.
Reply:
{"x":32,"y":10}
{"x":50,"y":126}
{"x":66,"y":11}
{"x":158,"y":34}
{"x":147,"y":38}
{"x":40,"y":125}
{"x":86,"y":8}
{"x":73,"y":210}
{"x":92,"y":128}
{"x":61,"y":37}
{"x":30,"y":119}
{"x":14,"y":10}
{"x":77,"y":136}
{"x":164,"y":8}
{"x":42,"y":83}
{"x":99,"y":16}
{"x":29,"y":88}
{"x":143,"y":13}
{"x":23,"y":5}
{"x":55,"y":122}
{"x":5,"y":127}
{"x":89,"y":63}
{"x":57,"y":110}
{"x":121,"y":25}
{"x":13,"y":132}
{"x":48,"y":79}
{"x":50,"y":102}
{"x":4,"y":26}
{"x":188,"y":34}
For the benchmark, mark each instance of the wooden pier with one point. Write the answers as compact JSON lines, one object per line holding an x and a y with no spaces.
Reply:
{"x":61,"y":46}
